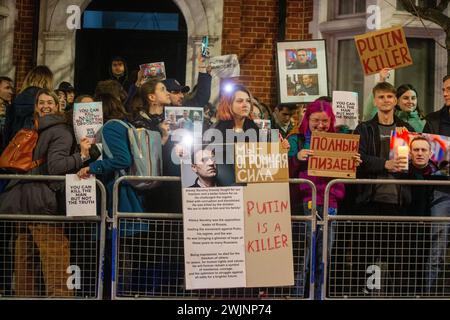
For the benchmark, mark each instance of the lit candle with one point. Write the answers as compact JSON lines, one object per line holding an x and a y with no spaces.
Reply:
{"x":403,"y":151}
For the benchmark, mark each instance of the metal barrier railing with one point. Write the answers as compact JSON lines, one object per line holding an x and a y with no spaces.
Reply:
{"x":382,"y":256}
{"x":148,"y":262}
{"x":47,"y":256}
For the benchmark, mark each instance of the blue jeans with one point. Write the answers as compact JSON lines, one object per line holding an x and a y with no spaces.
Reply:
{"x":440,"y":207}
{"x":316,"y":274}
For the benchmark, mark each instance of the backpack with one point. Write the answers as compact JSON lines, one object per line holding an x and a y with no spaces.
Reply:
{"x":18,"y":155}
{"x":146,"y":150}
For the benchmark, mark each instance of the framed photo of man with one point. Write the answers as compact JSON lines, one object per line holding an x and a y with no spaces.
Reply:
{"x":302,"y":71}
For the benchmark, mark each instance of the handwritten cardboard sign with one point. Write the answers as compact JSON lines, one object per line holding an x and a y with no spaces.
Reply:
{"x":385,"y":48}
{"x":345,"y":108}
{"x":261,"y":162}
{"x":333,"y":155}
{"x":87,"y":120}
{"x":80,"y":196}
{"x":226,"y":66}
{"x":268,"y":236}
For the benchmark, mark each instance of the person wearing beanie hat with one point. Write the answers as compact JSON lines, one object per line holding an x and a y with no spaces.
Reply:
{"x":199,"y":97}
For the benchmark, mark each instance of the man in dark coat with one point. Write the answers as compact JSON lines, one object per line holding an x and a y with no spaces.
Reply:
{"x":374,"y":147}
{"x":119,"y":71}
{"x":438,"y":122}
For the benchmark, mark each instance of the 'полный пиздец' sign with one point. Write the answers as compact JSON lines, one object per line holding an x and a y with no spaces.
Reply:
{"x":385,"y":48}
{"x":333,"y":155}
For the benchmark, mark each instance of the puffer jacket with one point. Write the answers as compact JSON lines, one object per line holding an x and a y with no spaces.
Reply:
{"x":54,"y":146}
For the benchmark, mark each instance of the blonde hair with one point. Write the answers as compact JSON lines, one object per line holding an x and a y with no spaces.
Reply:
{"x":40,"y":76}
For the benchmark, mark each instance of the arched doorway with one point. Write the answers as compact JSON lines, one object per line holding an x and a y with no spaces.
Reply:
{"x":139,"y":31}
{"x":57,"y":43}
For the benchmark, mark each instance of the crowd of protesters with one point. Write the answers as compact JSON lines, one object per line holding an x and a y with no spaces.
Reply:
{"x":40,"y":104}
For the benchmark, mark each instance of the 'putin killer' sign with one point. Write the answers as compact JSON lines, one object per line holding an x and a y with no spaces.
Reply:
{"x":333,"y":155}
{"x":385,"y":48}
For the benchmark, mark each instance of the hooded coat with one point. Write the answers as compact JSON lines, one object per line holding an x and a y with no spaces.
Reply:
{"x":123,"y":79}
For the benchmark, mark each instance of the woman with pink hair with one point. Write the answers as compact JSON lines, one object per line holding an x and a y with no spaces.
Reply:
{"x":319,"y":117}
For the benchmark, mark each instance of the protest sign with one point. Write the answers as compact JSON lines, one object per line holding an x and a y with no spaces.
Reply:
{"x":213,"y":226}
{"x":220,"y":250}
{"x":439,"y":149}
{"x":333,"y":154}
{"x":261,"y":162}
{"x":87,"y":120}
{"x":153,"y":71}
{"x":385,"y":48}
{"x":345,"y":108}
{"x":226,"y":66}
{"x":80,"y":196}
{"x":268,"y":238}
{"x":263,"y":124}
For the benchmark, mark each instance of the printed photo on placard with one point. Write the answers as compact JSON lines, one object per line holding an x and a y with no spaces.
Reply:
{"x":302,"y":85}
{"x":301,"y":71}
{"x":301,"y":58}
{"x":204,"y":168}
{"x":435,"y":150}
{"x":154,"y":71}
{"x":262,"y":124}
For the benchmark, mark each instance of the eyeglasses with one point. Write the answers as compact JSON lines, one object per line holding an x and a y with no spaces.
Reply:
{"x":323,"y":121}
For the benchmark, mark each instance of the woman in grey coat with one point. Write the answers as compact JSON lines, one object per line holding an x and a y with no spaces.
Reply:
{"x":49,"y":243}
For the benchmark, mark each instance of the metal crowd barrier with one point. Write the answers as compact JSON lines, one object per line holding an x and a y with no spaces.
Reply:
{"x":48,"y":256}
{"x":148,"y":262}
{"x":379,"y":257}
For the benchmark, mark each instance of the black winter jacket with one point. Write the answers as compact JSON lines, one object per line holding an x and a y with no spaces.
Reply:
{"x":372,"y":165}
{"x":438,"y":122}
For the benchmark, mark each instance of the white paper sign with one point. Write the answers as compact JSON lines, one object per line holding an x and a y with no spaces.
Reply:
{"x":345,"y":108}
{"x":80,"y":196}
{"x":226,"y":66}
{"x":214,"y":247}
{"x":87,"y":120}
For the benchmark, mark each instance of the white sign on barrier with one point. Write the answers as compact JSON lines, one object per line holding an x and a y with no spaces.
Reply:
{"x":80,"y":196}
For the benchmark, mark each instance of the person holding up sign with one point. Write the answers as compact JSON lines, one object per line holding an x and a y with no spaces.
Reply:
{"x":407,"y":108}
{"x":374,"y":148}
{"x":318,"y":117}
{"x":54,"y":145}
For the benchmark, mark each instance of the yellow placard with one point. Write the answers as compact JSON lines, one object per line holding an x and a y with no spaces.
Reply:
{"x":260,"y":162}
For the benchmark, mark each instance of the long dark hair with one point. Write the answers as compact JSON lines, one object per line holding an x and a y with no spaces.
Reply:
{"x":401,"y":90}
{"x":112,"y":107}
{"x":140,"y":100}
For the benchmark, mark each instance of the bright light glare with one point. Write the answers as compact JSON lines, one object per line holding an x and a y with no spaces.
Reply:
{"x":228,"y":88}
{"x":187,"y":140}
